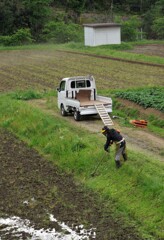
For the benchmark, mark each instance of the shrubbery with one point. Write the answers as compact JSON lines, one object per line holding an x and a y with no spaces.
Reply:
{"x":26,"y":95}
{"x":158,"y":27}
{"x":21,"y":37}
{"x":59,"y":32}
{"x":130,"y":29}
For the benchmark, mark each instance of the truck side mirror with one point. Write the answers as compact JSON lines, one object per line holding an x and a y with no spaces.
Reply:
{"x":58,"y":89}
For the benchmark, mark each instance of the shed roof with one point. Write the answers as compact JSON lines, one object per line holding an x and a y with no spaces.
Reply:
{"x":99,"y":25}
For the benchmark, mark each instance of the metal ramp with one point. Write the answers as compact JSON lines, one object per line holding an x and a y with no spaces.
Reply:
{"x":104,"y":115}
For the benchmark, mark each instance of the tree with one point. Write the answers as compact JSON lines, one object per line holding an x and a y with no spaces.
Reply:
{"x":6,"y":17}
{"x":74,"y":8}
{"x":18,"y":14}
{"x":139,"y":6}
{"x":108,"y":7}
{"x":158,"y":27}
{"x":36,"y":14}
{"x":158,"y":23}
{"x":147,"y":22}
{"x":153,"y":21}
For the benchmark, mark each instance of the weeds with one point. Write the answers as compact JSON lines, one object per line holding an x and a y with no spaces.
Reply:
{"x":29,"y":94}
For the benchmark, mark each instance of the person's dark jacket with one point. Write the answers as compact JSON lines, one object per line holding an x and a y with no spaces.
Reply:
{"x":112,"y":135}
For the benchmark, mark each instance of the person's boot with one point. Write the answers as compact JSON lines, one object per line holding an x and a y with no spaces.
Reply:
{"x":125,"y":156}
{"x":118,"y":164}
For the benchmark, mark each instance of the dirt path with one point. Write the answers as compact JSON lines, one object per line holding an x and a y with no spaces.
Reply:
{"x":139,"y":139}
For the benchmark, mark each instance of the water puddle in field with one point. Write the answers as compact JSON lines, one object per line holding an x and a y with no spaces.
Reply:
{"x":18,"y":227}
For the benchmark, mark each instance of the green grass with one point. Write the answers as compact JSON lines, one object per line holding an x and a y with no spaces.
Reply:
{"x":136,"y":188}
{"x":117,"y":51}
{"x":26,"y":95}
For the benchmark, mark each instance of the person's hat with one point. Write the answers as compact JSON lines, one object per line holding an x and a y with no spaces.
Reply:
{"x":104,"y":129}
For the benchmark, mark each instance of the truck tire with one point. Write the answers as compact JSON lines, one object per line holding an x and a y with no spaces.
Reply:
{"x":63,"y":111}
{"x":77,"y":116}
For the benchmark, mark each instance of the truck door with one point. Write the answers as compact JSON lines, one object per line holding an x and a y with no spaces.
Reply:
{"x":62,"y":93}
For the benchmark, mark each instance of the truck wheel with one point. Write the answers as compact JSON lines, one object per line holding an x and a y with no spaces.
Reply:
{"x":63,"y":112}
{"x":77,"y":116}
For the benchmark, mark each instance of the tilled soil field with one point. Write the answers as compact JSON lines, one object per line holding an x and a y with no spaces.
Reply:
{"x":150,"y":49}
{"x":37,"y":200}
{"x":43,"y":69}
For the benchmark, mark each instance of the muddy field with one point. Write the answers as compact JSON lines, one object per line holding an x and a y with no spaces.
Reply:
{"x":37,"y":200}
{"x":150,"y":50}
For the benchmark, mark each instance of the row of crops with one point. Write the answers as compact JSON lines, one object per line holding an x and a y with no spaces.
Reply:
{"x":147,"y":98}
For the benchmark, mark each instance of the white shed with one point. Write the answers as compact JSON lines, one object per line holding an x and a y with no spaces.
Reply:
{"x":102,"y":34}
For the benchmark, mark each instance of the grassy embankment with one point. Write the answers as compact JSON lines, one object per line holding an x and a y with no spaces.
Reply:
{"x":136,"y":189}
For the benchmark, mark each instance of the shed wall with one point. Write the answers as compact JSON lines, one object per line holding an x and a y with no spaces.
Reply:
{"x":89,"y":36}
{"x":102,"y":36}
{"x":106,"y":36}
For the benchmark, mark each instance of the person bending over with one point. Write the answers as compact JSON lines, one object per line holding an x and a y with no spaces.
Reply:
{"x":112,"y":135}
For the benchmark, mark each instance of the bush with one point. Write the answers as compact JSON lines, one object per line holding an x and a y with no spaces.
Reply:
{"x":129,"y":31}
{"x":5,"y":40}
{"x":21,"y":37}
{"x":27,"y":95}
{"x":158,"y":27}
{"x":59,"y":32}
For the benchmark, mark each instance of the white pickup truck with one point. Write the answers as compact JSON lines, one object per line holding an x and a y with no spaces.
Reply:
{"x":78,"y":95}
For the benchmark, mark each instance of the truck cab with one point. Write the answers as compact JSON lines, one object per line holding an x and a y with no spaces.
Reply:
{"x":70,"y":86}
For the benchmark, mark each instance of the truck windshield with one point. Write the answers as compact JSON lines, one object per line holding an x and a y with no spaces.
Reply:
{"x":80,"y":84}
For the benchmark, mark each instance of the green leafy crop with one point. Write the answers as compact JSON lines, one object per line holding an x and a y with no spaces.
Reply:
{"x":148,"y":97}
